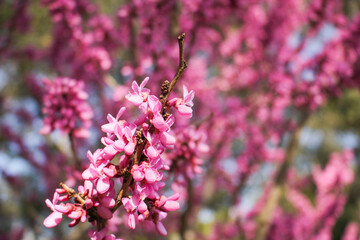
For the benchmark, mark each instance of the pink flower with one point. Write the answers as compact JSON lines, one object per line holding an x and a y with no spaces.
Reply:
{"x":154,"y":112}
{"x":101,"y":235}
{"x":129,"y":134}
{"x":151,"y":152}
{"x":137,"y":173}
{"x":126,"y":140}
{"x":130,"y":205}
{"x":64,"y":105}
{"x":351,"y":231}
{"x":73,"y":211}
{"x":168,"y":204}
{"x":159,"y":225}
{"x":337,"y":173}
{"x":183,"y":105}
{"x":139,"y":94}
{"x":145,"y":171}
{"x":103,"y":184}
{"x":161,"y":228}
{"x":55,"y":217}
{"x":167,"y":140}
{"x":110,"y":127}
{"x":98,"y":55}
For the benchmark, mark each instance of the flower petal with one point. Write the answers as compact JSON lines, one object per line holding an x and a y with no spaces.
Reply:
{"x":108,"y":202}
{"x":150,"y":175}
{"x":53,"y":219}
{"x":119,"y":145}
{"x":74,"y":214}
{"x":167,"y":139}
{"x":144,"y":82}
{"x":171,"y":206}
{"x":63,"y":208}
{"x":135,"y":87}
{"x":152,"y":153}
{"x":185,"y":111}
{"x":161,"y":229}
{"x":129,"y":148}
{"x":49,"y":204}
{"x":110,"y":151}
{"x":121,"y":111}
{"x":108,"y":127}
{"x":103,"y":185}
{"x":138,"y":175}
{"x":104,"y":212}
{"x":131,"y":221}
{"x":90,"y":174}
{"x":159,"y":123}
{"x":137,"y":100}
{"x":110,"y":172}
{"x":142,"y":207}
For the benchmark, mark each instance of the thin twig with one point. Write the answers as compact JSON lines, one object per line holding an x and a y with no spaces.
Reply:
{"x":180,"y":71}
{"x":73,"y":194}
{"x":123,"y":191}
{"x":100,"y":222}
{"x":265,"y":216}
{"x":77,"y":161}
{"x":184,"y":222}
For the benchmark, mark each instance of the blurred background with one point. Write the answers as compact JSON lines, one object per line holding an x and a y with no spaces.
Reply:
{"x":276,"y":105}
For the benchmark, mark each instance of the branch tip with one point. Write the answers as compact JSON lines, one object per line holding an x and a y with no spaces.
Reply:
{"x":181,"y":36}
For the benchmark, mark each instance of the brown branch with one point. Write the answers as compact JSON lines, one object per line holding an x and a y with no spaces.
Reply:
{"x":265,"y":216}
{"x":180,"y":71}
{"x":128,"y":177}
{"x":184,"y":221}
{"x":123,"y":191}
{"x":100,"y":222}
{"x":71,"y":192}
{"x":139,"y":152}
{"x":77,"y":161}
{"x":239,"y":187}
{"x":208,"y":190}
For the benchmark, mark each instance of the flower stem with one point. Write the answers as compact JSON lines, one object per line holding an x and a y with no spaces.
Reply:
{"x":180,"y":71}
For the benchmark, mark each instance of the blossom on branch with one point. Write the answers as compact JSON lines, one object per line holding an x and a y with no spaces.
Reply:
{"x":184,"y":105}
{"x":139,"y":170}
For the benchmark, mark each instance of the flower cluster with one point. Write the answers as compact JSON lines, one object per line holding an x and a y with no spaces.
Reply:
{"x":66,"y":108}
{"x":189,"y":148}
{"x":183,"y":105}
{"x":315,"y":220}
{"x":73,"y":211}
{"x":83,"y":39}
{"x":139,"y":167}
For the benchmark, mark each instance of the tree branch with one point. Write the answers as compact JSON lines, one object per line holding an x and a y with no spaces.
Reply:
{"x":100,"y":222}
{"x":184,"y":222}
{"x":77,"y":161}
{"x":265,"y":216}
{"x":71,"y":192}
{"x":180,"y":71}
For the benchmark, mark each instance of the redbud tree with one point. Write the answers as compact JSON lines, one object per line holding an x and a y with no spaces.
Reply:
{"x":162,"y":119}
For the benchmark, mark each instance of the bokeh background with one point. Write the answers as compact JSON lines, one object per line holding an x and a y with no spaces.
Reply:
{"x":277,"y":94}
